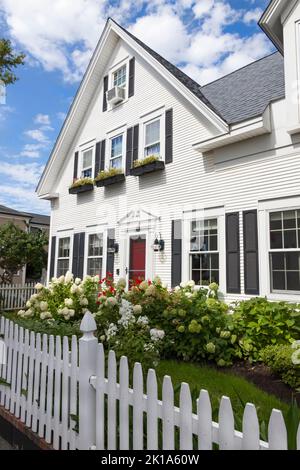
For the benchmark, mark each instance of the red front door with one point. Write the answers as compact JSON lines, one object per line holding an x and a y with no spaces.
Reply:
{"x":137,"y":260}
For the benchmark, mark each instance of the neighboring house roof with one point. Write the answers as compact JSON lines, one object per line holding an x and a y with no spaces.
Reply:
{"x":246,"y":93}
{"x":38,"y":219}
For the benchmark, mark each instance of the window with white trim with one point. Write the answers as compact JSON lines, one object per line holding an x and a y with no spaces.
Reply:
{"x":152,"y":138}
{"x":95,"y":254}
{"x":120,"y":76}
{"x":284,"y":251}
{"x":204,"y":254}
{"x":63,"y":256}
{"x":116,"y":152}
{"x":87,"y":163}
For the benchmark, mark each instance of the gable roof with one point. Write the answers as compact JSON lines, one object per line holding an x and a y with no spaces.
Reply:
{"x":10,"y":211}
{"x":245,"y":93}
{"x":39,"y":219}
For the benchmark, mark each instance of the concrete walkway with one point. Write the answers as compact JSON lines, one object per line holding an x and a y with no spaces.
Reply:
{"x":4,"y":445}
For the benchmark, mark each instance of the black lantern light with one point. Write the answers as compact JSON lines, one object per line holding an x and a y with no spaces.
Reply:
{"x":114,"y":248}
{"x":158,"y":245}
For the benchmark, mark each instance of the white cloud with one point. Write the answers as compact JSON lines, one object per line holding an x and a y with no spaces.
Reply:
{"x":5,"y":111}
{"x":43,"y":119}
{"x":32,"y":150}
{"x":23,"y":199}
{"x":37,"y":134}
{"x":61,"y":116}
{"x":27,"y":174}
{"x":252,"y":16}
{"x":202,"y":7}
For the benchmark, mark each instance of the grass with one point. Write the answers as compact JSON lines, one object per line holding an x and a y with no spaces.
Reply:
{"x":219,"y":383}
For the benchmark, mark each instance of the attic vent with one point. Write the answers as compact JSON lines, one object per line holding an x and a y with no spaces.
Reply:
{"x":115,"y":95}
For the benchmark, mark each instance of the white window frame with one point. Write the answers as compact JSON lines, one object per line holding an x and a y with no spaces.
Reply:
{"x":264,"y":210}
{"x":204,"y":214}
{"x":59,"y":236}
{"x":111,"y":135}
{"x":83,"y":149}
{"x":95,"y":231}
{"x":112,"y":71}
{"x":147,"y":119}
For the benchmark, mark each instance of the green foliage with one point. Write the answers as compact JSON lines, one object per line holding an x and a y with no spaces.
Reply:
{"x":4,"y":382}
{"x":18,"y":248}
{"x":82,"y":182}
{"x":279,"y":359}
{"x":145,"y":161}
{"x":8,"y":61}
{"x":258,"y":323}
{"x":104,"y":174}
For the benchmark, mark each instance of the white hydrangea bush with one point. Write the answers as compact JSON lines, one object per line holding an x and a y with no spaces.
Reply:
{"x":63,"y":300}
{"x":123,"y":328}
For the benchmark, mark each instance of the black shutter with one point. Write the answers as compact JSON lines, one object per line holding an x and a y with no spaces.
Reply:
{"x":75,"y":166}
{"x":251,"y":252}
{"x":176,"y":252}
{"x":97,"y":158}
{"x":102,"y":155}
{"x":78,"y":254}
{"x":129,"y":144}
{"x":52,"y":257}
{"x":169,"y":136}
{"x":105,"y":88}
{"x":131,"y":77}
{"x":135,"y":147}
{"x":233,"y":253}
{"x":110,"y":257}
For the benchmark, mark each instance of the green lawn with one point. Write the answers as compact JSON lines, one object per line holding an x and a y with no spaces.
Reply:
{"x":219,"y":383}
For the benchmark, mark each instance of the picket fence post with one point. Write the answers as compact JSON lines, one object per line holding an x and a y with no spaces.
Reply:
{"x":87,"y":397}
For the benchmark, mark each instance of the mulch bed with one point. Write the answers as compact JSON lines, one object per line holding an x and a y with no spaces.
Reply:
{"x":262,"y":377}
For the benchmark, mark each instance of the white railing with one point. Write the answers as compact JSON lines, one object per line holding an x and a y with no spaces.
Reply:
{"x":46,"y":380}
{"x":15,"y":296}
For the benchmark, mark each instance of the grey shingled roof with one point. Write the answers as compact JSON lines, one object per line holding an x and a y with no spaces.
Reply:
{"x":10,"y":211}
{"x":38,"y":219}
{"x":241,"y":95}
{"x":246,"y":92}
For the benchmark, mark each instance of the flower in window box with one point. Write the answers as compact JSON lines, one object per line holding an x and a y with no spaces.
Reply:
{"x":146,"y":161}
{"x":82,"y":182}
{"x":103,"y":174}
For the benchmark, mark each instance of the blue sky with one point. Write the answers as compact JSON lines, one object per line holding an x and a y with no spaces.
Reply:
{"x":206,"y":38}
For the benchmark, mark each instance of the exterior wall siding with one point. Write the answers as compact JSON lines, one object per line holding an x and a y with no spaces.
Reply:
{"x":235,"y":177}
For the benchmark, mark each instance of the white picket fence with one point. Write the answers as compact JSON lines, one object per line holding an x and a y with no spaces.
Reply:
{"x":15,"y":296}
{"x":55,"y":385}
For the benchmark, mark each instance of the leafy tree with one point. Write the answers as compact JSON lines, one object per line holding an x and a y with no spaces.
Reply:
{"x":8,"y":61}
{"x":18,"y":248}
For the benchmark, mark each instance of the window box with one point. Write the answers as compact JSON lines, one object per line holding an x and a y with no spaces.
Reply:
{"x":81,"y":189}
{"x":110,"y":180}
{"x":148,"y":168}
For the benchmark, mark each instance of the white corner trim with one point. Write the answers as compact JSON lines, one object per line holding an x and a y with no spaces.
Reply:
{"x":238,"y":132}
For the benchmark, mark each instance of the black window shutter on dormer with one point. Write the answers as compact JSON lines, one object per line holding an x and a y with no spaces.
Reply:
{"x":105,"y":88}
{"x":102,"y":155}
{"x":131,"y":77}
{"x":135,"y":146}
{"x":97,"y":159}
{"x":75,"y":166}
{"x":169,"y":136}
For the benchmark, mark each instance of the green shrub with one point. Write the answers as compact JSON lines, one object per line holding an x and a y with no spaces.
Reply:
{"x":279,"y":359}
{"x":259,"y":323}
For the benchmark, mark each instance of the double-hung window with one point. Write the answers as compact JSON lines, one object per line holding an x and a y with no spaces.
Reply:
{"x":152,"y":143}
{"x":95,"y":254}
{"x":285,"y":250}
{"x":116,"y":152}
{"x":87,"y":163}
{"x":63,"y":257}
{"x":119,"y":77}
{"x":204,"y":254}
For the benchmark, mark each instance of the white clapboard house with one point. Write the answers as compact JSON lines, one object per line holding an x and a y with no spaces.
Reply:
{"x":221,"y":202}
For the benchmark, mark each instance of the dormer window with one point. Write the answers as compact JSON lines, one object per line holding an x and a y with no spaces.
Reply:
{"x":119,"y":77}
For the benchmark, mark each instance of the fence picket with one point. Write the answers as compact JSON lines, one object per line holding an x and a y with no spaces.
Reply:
{"x":15,"y":350}
{"x":49,"y":402}
{"x":226,"y":425}
{"x":9,"y":364}
{"x":204,"y":421}
{"x":42,"y":407}
{"x":73,"y":392}
{"x":19,"y":372}
{"x":100,"y":412}
{"x":57,"y":391}
{"x":152,"y":423}
{"x":250,"y":428}
{"x":5,"y":366}
{"x":124,"y":404}
{"x":277,"y":434}
{"x":111,"y":402}
{"x":298,"y":438}
{"x":30,"y":379}
{"x":186,"y":434}
{"x":15,"y":296}
{"x":168,"y":413}
{"x":24,"y":386}
{"x":65,"y":394}
{"x":36,"y":386}
{"x":138,"y":425}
